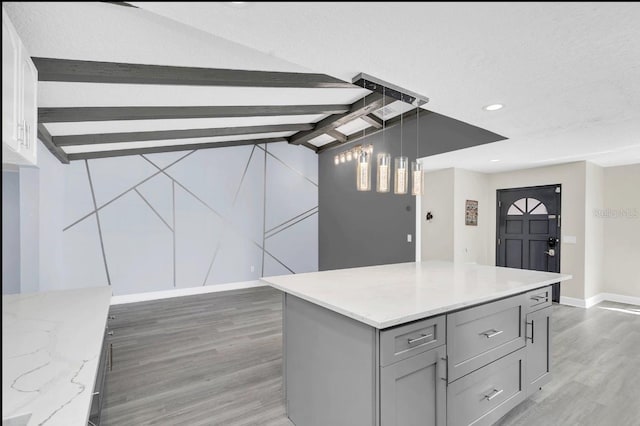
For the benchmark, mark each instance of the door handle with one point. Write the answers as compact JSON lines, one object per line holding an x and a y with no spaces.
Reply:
{"x":493,"y":394}
{"x":418,"y":339}
{"x":531,"y":338}
{"x":491,"y":333}
{"x":551,"y":252}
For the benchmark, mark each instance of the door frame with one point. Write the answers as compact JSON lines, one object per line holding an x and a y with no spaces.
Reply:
{"x":559,"y":214}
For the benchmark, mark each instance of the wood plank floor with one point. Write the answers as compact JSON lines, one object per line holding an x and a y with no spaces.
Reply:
{"x":216,"y":359}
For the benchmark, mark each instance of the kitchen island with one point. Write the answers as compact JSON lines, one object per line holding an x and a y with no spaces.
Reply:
{"x":431,"y":343}
{"x":52,"y":345}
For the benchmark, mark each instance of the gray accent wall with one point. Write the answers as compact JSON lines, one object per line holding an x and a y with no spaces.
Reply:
{"x":156,"y":222}
{"x":369,"y":228}
{"x":10,"y":232}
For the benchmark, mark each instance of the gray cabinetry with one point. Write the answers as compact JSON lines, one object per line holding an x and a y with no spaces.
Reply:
{"x":482,"y":397}
{"x":413,"y":391}
{"x":403,"y":342}
{"x":538,"y":372}
{"x":480,"y":335}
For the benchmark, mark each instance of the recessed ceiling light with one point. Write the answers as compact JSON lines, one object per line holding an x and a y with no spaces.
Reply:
{"x":495,"y":160}
{"x":493,"y":107}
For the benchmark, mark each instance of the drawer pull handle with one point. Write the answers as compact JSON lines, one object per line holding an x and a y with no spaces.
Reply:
{"x":493,"y":394}
{"x":491,"y":333}
{"x":532,"y":328}
{"x":538,"y":298}
{"x":418,"y":339}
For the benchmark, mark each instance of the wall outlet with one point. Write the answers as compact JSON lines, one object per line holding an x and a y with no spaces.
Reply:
{"x":409,"y":238}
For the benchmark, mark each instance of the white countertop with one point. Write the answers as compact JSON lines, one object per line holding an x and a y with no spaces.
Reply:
{"x":50,"y":352}
{"x":388,"y":295}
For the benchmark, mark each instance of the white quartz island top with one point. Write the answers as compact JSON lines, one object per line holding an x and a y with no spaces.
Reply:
{"x":388,"y":295}
{"x":50,"y":353}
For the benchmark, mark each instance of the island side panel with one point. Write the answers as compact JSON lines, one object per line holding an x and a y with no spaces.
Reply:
{"x":330,"y":367}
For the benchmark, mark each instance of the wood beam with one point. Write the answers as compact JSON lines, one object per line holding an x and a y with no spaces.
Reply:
{"x":74,"y":71}
{"x":80,"y":114}
{"x":152,"y":150}
{"x":46,"y":138}
{"x":359,"y":108}
{"x":92,"y":139}
{"x":373,"y":120}
{"x":341,"y":137}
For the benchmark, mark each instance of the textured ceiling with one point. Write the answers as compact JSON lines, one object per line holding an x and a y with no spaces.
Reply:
{"x":567,"y":72}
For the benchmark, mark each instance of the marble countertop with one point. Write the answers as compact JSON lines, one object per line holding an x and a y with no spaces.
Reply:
{"x":388,"y":295}
{"x":50,"y":352}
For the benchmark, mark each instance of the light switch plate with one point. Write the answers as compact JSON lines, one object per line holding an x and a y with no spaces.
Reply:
{"x":409,"y":238}
{"x":569,"y":239}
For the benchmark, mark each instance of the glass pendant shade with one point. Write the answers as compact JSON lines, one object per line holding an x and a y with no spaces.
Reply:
{"x":417,"y":179}
{"x":363,"y":172}
{"x":383,"y":180}
{"x":400,"y":175}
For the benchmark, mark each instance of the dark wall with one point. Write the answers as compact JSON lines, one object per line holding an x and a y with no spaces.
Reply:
{"x":369,"y":228}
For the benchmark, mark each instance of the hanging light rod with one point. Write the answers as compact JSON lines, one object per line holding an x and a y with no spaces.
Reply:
{"x":377,"y":85}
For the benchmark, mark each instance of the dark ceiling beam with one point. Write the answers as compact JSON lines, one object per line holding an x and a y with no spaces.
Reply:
{"x":78,"y":114}
{"x":92,"y":139}
{"x":359,"y":108}
{"x":47,"y":140}
{"x":153,"y":150}
{"x":74,"y":71}
{"x":373,"y":120}
{"x":392,"y":122}
{"x":337,"y":135}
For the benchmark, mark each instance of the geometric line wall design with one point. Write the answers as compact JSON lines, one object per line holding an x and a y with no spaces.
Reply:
{"x":218,"y":227}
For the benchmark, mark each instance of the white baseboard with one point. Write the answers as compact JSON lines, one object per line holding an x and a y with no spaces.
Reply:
{"x":600,"y":297}
{"x":179,"y":292}
{"x":572,"y":301}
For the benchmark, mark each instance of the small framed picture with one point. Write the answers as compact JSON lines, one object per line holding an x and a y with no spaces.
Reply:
{"x":471,"y":213}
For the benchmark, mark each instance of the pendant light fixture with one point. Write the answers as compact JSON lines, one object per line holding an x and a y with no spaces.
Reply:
{"x":363,"y":165}
{"x":383,"y":177}
{"x":400,"y":175}
{"x":417,"y":173}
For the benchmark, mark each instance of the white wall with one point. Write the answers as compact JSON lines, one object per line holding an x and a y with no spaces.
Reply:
{"x":177,"y":220}
{"x":437,"y":234}
{"x":594,"y":231}
{"x":572,"y":178}
{"x":471,"y":243}
{"x":10,"y":232}
{"x":621,"y":221}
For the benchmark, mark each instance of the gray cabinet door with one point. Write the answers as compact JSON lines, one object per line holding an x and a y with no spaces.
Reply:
{"x":538,"y":367}
{"x":413,"y":391}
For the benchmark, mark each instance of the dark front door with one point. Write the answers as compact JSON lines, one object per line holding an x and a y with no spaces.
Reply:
{"x":529,"y":230}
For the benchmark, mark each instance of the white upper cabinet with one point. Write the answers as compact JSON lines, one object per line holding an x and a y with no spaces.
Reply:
{"x":19,"y":99}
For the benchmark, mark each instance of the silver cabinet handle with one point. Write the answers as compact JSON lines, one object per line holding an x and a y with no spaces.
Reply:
{"x":493,"y":394}
{"x":110,"y":333}
{"x":531,"y":338}
{"x":491,"y":333}
{"x":537,"y":298}
{"x":417,"y":339}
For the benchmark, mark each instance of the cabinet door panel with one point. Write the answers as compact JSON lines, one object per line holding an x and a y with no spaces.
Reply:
{"x":538,"y":349}
{"x":29,"y":109}
{"x":10,"y":83}
{"x":413,"y":391}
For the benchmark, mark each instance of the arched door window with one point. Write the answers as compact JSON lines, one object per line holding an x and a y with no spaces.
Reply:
{"x":527,"y":206}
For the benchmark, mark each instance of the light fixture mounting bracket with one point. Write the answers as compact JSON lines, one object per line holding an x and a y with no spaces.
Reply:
{"x":391,"y":90}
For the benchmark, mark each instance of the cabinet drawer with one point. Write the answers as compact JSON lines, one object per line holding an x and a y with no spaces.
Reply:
{"x":540,"y":298}
{"x":485,"y":395}
{"x":480,"y":335}
{"x":402,"y":342}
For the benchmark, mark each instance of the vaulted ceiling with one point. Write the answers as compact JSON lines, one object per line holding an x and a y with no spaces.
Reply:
{"x":93,"y":107}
